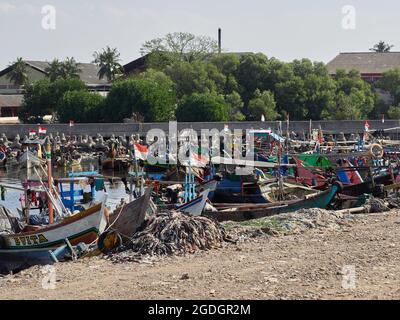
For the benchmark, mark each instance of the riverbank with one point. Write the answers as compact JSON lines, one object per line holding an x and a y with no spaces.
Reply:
{"x":264,"y":265}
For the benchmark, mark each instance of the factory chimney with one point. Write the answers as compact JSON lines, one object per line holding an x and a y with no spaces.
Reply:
{"x":219,"y":40}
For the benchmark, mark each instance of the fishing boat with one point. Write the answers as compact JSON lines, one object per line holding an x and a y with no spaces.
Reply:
{"x":83,"y":227}
{"x":196,"y":206}
{"x":242,"y":212}
{"x":129,"y":217}
{"x":28,"y":160}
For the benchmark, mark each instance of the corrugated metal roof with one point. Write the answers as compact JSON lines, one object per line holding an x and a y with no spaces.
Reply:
{"x":11,"y":100}
{"x":365,"y":62}
{"x":89,"y":71}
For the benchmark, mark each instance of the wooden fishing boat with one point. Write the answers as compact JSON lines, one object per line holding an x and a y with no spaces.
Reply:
{"x":116,"y":164}
{"x":13,"y":260}
{"x":289,"y":191}
{"x":29,"y":160}
{"x":196,"y":206}
{"x":82,"y":227}
{"x":126,"y":219}
{"x":370,"y":186}
{"x":242,"y":212}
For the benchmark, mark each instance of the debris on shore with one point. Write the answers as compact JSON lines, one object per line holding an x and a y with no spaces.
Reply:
{"x":172,"y":233}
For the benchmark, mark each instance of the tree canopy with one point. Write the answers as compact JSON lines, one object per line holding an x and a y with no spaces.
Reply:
{"x":43,"y":97}
{"x":108,"y":61}
{"x":202,"y":107}
{"x":148,"y":96}
{"x":382,"y":46}
{"x":18,"y":74}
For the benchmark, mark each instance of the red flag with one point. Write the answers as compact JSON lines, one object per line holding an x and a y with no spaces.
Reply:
{"x":141,"y":152}
{"x":42,"y":130}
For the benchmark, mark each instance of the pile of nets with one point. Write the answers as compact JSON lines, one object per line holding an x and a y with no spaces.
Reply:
{"x":290,"y":223}
{"x":375,"y":205}
{"x":176,"y":233}
{"x":394,"y":200}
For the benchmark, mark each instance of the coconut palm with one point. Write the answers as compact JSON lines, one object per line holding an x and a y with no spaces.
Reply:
{"x":70,"y":68}
{"x":108,"y":62}
{"x":382,"y":46}
{"x":54,"y":70}
{"x":18,"y":74}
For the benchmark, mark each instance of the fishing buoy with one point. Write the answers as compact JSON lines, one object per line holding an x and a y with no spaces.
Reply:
{"x":376,"y":151}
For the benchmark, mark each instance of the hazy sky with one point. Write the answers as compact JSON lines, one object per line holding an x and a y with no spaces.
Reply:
{"x":285,"y":29}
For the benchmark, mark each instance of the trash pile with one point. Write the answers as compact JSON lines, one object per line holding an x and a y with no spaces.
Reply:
{"x":173,"y":233}
{"x":375,"y":205}
{"x":394,"y":200}
{"x":289,"y":223}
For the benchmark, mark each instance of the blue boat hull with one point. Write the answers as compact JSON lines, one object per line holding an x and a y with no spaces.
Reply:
{"x":13,"y":260}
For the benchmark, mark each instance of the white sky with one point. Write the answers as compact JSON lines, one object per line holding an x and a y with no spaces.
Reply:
{"x":285,"y":29}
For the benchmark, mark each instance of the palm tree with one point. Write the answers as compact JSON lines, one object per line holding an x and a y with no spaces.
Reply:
{"x":108,"y":62}
{"x":382,"y":46}
{"x":54,"y":70}
{"x":70,"y":68}
{"x":18,"y":74}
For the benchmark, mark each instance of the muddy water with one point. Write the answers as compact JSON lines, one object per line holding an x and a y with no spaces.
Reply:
{"x":13,"y":176}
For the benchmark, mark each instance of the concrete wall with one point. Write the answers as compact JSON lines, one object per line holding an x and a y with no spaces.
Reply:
{"x":107,"y":129}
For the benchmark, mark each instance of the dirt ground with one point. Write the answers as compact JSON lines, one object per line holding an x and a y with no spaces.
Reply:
{"x":302,"y":266}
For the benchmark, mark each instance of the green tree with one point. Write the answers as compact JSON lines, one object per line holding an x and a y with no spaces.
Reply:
{"x":195,"y":77}
{"x":227,"y":65}
{"x":54,"y":70}
{"x":149,"y":95}
{"x":42,"y":97}
{"x":235,"y":106}
{"x":390,"y":82}
{"x":394,"y":112}
{"x":203,"y":107}
{"x":381,"y":46}
{"x":109,"y":63}
{"x":70,"y":68}
{"x":18,"y":74}
{"x":355,"y":99}
{"x":263,"y":103}
{"x":182,"y":46}
{"x":80,"y":106}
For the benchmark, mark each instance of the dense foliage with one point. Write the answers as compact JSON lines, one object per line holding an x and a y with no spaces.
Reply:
{"x":188,"y":80}
{"x":43,"y":97}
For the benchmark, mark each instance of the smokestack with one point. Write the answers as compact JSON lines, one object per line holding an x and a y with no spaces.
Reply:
{"x":219,"y":40}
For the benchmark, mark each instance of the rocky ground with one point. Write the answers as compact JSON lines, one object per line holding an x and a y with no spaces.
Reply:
{"x":286,"y":258}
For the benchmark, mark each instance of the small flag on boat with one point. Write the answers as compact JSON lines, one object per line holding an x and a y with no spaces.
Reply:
{"x":42,"y":130}
{"x":141,"y":152}
{"x":367,"y":126}
{"x":32,"y":134}
{"x":71,"y":123}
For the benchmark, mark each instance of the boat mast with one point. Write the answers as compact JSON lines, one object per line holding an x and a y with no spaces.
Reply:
{"x":50,"y":182}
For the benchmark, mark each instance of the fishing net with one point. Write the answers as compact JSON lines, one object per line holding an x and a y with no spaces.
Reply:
{"x":375,"y":205}
{"x":174,"y":233}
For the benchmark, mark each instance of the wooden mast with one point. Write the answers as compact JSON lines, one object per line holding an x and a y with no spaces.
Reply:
{"x":50,"y":182}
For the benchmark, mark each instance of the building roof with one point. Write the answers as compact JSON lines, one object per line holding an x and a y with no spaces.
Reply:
{"x":365,"y":62}
{"x":11,"y":100}
{"x":88,"y":74}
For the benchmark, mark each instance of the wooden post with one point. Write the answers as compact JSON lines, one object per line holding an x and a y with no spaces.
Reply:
{"x":50,"y":182}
